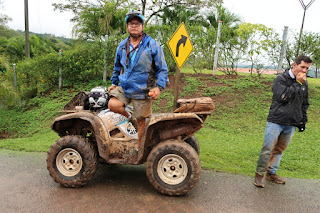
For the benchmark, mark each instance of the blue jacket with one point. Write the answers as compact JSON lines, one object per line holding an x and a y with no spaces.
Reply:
{"x":148,"y":70}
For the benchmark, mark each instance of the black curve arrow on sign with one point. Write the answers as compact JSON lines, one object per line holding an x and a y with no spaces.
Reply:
{"x":183,"y":41}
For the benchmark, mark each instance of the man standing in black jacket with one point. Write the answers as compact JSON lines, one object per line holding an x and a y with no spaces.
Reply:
{"x":288,"y":110}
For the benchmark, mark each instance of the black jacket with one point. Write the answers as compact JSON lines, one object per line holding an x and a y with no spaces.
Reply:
{"x":289,"y":102}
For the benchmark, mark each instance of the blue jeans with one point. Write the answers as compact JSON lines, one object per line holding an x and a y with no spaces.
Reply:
{"x":276,"y":139}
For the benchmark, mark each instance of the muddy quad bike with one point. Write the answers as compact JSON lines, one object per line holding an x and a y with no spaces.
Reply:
{"x":168,"y":145}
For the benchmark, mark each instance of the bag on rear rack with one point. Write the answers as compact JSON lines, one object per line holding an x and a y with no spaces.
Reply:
{"x":200,"y":105}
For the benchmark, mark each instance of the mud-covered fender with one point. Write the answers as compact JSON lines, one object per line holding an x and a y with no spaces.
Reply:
{"x":164,"y":126}
{"x":156,"y":118}
{"x":64,"y":123}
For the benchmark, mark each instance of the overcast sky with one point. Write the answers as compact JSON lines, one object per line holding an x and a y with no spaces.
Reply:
{"x":277,"y":13}
{"x":42,"y":18}
{"x":272,"y":13}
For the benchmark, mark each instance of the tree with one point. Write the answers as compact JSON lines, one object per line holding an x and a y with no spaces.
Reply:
{"x":89,"y":17}
{"x":229,"y":19}
{"x":232,"y":50}
{"x":231,"y":47}
{"x":203,"y":54}
{"x":274,"y":50}
{"x":15,"y":49}
{"x":151,"y":8}
{"x":92,"y":25}
{"x":181,"y":13}
{"x":8,"y":96}
{"x":90,"y":21}
{"x":309,"y":43}
{"x":4,"y":19}
{"x":88,"y":25}
{"x":309,"y":46}
{"x":316,"y":62}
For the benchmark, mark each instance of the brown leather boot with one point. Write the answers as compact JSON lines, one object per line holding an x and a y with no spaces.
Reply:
{"x":275,"y":178}
{"x":258,"y":181}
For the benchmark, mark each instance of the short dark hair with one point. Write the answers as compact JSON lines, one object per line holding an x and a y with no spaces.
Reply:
{"x":303,"y":58}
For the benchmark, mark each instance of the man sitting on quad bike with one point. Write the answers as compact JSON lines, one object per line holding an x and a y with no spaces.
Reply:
{"x":166,"y":142}
{"x":139,"y":74}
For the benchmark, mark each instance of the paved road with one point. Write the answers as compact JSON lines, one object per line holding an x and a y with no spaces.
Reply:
{"x":25,"y":186}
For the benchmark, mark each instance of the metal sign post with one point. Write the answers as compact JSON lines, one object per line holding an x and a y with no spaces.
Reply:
{"x":176,"y":88}
{"x":283,"y":49}
{"x":215,"y":62}
{"x":180,"y":47}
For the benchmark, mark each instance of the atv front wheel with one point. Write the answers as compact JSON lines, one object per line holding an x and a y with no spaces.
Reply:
{"x":192,"y":141}
{"x":72,"y":161}
{"x":173,"y":167}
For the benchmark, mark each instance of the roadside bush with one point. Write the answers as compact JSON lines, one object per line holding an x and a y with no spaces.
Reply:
{"x":81,"y":64}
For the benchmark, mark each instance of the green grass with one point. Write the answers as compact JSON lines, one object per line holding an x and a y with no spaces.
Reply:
{"x":40,"y":142}
{"x":36,"y":115}
{"x":230,"y":140}
{"x":233,"y":144}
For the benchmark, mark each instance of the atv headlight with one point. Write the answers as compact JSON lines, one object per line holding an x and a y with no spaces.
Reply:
{"x":102,"y":101}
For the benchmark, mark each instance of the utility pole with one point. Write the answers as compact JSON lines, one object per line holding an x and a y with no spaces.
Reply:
{"x":305,"y":7}
{"x":215,"y":62}
{"x":26,"y":31}
{"x":283,"y":48}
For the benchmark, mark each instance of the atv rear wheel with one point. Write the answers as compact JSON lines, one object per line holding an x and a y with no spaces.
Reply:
{"x":72,"y":161}
{"x":173,"y":167}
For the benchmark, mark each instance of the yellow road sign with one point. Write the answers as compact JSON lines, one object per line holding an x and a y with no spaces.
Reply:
{"x":180,"y":45}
